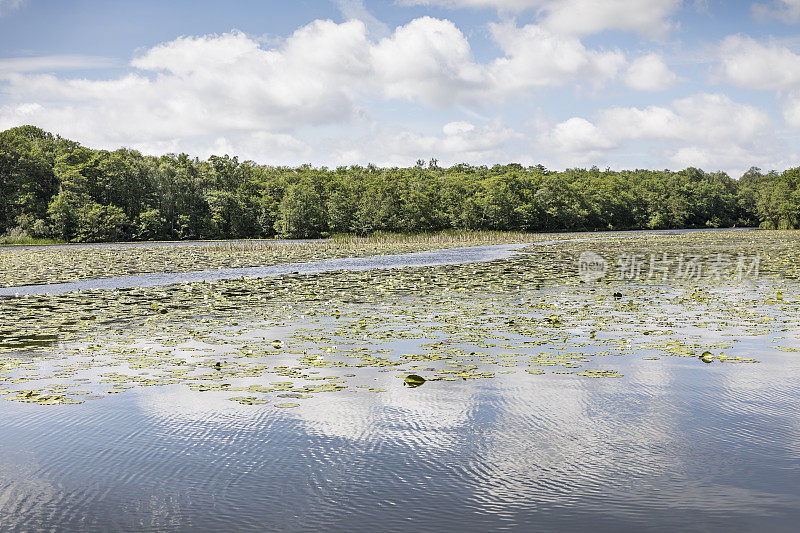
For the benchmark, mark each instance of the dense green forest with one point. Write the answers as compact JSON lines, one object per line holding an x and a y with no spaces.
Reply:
{"x":55,"y":188}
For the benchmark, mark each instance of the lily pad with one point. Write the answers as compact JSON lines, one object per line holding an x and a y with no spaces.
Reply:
{"x":413,"y":380}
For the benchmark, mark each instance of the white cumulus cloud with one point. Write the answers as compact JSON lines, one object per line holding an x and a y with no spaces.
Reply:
{"x":332,"y":92}
{"x":649,"y":73}
{"x":582,"y":17}
{"x":232,"y":85}
{"x":535,"y":57}
{"x":206,"y":85}
{"x":578,"y":136}
{"x":646,"y":17}
{"x":751,"y":64}
{"x":428,"y":60}
{"x":705,"y":130}
{"x":702,"y":118}
{"x":458,"y":142}
{"x":791,"y":109}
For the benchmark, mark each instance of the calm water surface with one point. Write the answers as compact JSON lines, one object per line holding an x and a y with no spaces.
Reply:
{"x":669,"y":447}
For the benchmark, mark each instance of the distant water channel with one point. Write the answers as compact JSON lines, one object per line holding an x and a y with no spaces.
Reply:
{"x":470,"y":254}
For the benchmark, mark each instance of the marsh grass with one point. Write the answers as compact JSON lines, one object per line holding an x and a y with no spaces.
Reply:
{"x":26,"y":240}
{"x":337,"y":242}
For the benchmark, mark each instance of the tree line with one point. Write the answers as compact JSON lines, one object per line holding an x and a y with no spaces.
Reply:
{"x":52,"y":187}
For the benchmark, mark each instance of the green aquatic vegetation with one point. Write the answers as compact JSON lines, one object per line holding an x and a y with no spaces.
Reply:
{"x":413,"y":380}
{"x":554,"y":320}
{"x":202,"y":387}
{"x":451,"y":323}
{"x":599,"y":374}
{"x":21,"y":342}
{"x":287,"y":405}
{"x":36,"y":396}
{"x":248,"y":400}
{"x":787,"y":348}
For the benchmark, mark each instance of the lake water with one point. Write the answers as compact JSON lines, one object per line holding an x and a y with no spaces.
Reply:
{"x":675,"y":444}
{"x":669,"y":448}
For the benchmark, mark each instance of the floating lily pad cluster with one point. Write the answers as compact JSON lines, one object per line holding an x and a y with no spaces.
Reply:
{"x":267,"y":341}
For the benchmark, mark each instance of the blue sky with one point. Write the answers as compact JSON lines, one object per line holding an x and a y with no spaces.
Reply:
{"x":565,"y":83}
